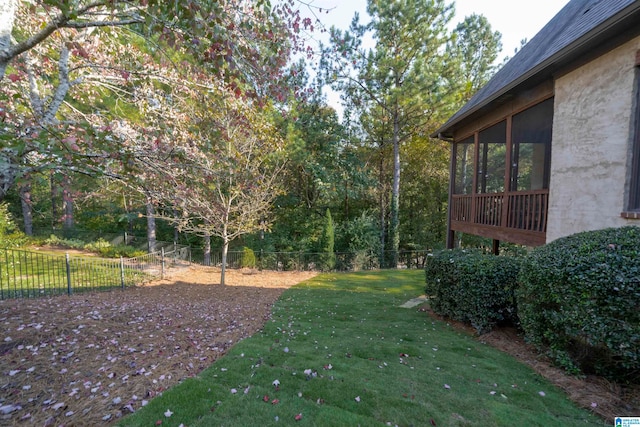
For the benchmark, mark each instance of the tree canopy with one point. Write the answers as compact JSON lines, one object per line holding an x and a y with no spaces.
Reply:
{"x":203,"y":116}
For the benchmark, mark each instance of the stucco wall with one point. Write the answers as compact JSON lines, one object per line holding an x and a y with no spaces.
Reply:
{"x":592,"y":130}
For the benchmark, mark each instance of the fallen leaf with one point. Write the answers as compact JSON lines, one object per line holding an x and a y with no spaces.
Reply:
{"x":265,"y":398}
{"x":7,"y":409}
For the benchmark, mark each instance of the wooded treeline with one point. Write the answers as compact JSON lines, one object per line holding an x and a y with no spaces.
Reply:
{"x":204,"y":121}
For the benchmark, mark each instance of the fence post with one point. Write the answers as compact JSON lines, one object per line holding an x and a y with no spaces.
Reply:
{"x":162,"y":271}
{"x":175,"y":254}
{"x":122,"y":272}
{"x":67,"y":261}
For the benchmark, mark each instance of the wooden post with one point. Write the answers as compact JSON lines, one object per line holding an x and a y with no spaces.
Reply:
{"x":452,"y":178}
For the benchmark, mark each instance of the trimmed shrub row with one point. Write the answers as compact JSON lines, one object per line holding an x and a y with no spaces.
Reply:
{"x":579,"y":300}
{"x":469,"y":286}
{"x":576,"y":299}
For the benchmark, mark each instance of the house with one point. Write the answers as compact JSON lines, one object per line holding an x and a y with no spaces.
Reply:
{"x":550,"y":146}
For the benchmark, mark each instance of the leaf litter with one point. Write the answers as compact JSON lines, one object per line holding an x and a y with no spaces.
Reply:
{"x":89,"y":359}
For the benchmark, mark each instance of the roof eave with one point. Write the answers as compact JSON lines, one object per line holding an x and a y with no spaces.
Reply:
{"x":548,"y":66}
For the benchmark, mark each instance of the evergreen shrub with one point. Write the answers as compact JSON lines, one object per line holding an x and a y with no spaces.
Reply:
{"x":248,"y":258}
{"x":328,"y":258}
{"x":473,"y":287}
{"x":578,"y":301}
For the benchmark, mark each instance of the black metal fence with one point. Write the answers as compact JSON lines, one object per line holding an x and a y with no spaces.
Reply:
{"x":27,"y":274}
{"x":310,"y":261}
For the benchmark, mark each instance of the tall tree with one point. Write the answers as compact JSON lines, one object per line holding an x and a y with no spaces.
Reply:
{"x":417,"y":71}
{"x":245,"y":44}
{"x":476,"y":46}
{"x":225,"y":176}
{"x":405,"y":77}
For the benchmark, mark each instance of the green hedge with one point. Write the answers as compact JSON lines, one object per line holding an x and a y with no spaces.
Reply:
{"x":579,"y":302}
{"x":472,"y":287}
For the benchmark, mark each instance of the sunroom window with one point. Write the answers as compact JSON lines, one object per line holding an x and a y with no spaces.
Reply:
{"x":465,"y":163}
{"x":492,"y":153}
{"x":531,"y":147}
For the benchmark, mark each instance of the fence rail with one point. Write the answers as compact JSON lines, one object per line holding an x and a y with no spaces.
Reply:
{"x":26,"y":274}
{"x":309,"y":261}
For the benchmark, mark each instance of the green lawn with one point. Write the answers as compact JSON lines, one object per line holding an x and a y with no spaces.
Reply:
{"x":368,"y":362}
{"x":33,"y":274}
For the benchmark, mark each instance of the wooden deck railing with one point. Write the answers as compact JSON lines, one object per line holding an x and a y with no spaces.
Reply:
{"x":524,"y":210}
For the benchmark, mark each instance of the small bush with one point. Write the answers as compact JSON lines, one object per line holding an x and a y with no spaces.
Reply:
{"x":10,"y":235}
{"x":578,"y":301}
{"x":97,"y":245}
{"x":248,"y":258}
{"x":473,"y":287}
{"x":328,"y":258}
{"x":118,"y":251}
{"x":54,"y":240}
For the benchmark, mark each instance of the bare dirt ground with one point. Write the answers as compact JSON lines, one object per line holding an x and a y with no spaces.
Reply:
{"x":89,"y":359}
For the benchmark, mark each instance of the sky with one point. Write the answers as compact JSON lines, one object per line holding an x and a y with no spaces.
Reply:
{"x":514,"y":19}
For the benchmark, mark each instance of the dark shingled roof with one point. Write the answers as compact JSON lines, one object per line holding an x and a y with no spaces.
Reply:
{"x":577,"y":29}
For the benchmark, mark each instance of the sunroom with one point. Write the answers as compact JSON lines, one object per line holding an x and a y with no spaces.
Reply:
{"x":500,"y":177}
{"x":550,"y":146}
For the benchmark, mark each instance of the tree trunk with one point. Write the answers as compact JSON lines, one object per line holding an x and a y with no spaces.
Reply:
{"x":383,"y":210}
{"x":207,"y":250}
{"x":394,"y":229}
{"x":8,"y":170}
{"x":67,"y":198}
{"x":225,"y":250}
{"x":151,"y":225}
{"x":55,"y":192}
{"x":7,"y":17}
{"x":27,"y":211}
{"x":176,"y":232}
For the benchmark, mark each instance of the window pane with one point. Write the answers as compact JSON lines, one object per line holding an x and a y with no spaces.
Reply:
{"x":491,"y":167}
{"x":465,"y":161}
{"x":531,"y":142}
